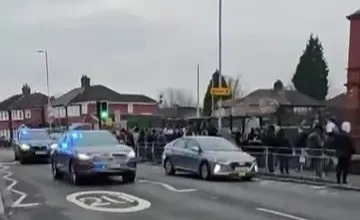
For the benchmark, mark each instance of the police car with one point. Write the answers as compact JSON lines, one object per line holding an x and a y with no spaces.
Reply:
{"x":32,"y":145}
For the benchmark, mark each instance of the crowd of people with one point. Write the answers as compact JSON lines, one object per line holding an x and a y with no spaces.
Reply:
{"x":316,"y":141}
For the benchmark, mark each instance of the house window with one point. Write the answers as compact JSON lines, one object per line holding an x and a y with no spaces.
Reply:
{"x":27,"y":114}
{"x":130,"y":108}
{"x":62,"y":112}
{"x":2,"y":118}
{"x":74,"y":111}
{"x":17,"y":115}
{"x":6,"y":116}
{"x":84,"y":109}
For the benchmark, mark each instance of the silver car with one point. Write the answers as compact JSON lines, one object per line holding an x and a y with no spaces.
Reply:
{"x":208,"y":157}
{"x":83,"y":153}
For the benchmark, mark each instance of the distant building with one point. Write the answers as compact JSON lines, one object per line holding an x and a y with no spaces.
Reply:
{"x":79,"y":104}
{"x":178,"y":112}
{"x":288,"y":107}
{"x":26,"y":108}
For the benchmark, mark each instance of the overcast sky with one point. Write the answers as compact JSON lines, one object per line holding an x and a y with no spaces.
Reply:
{"x":143,"y":46}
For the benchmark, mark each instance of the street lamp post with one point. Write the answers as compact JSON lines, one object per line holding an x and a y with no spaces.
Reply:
{"x":220,"y":62}
{"x":47,"y":82}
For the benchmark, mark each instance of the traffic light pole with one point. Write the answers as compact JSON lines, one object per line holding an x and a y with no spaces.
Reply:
{"x":98,"y":114}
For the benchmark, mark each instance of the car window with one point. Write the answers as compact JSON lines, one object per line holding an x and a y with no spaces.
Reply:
{"x":92,"y":139}
{"x":28,"y":135}
{"x":192,"y":143}
{"x":181,"y":143}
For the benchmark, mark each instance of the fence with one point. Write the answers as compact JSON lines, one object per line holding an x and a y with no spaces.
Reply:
{"x":297,"y":162}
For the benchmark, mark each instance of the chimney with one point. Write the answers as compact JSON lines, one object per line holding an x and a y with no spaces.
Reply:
{"x":278,"y":86}
{"x":26,"y":90}
{"x":85,"y":82}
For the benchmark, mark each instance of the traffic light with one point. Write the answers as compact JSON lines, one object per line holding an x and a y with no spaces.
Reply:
{"x":104,"y":112}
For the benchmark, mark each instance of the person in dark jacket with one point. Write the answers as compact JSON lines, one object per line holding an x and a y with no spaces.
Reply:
{"x":284,"y":151}
{"x":344,"y":149}
{"x":269,"y":141}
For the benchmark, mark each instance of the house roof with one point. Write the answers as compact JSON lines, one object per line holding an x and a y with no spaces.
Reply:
{"x":355,"y":14}
{"x":99,"y":93}
{"x":20,"y":101}
{"x":337,"y":101}
{"x":283,"y":97}
{"x":34,"y":100}
{"x":4,"y":105}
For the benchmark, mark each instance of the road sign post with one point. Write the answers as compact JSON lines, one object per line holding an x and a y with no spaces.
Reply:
{"x":220,"y":91}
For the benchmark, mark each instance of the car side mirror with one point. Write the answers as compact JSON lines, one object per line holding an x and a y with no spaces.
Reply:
{"x":195,"y":149}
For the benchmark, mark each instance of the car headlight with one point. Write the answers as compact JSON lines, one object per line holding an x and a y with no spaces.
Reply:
{"x":83,"y":157}
{"x":25,"y":147}
{"x":131,"y":154}
{"x":217,"y":168}
{"x":53,"y":146}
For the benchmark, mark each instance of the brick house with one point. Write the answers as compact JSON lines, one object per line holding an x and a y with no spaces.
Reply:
{"x":26,"y":108}
{"x":79,"y":104}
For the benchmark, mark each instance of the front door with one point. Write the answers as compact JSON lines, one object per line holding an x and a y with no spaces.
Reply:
{"x":192,"y":157}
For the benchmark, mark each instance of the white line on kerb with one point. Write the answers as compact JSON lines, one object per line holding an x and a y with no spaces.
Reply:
{"x":23,"y":195}
{"x":167,"y":186}
{"x":280,"y":214}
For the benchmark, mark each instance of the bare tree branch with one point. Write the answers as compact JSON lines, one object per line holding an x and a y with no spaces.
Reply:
{"x":176,"y":96}
{"x":235,"y":86}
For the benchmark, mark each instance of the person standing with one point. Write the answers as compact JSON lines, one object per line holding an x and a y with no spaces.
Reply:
{"x":315,"y":144}
{"x":344,"y":150}
{"x":270,"y":142}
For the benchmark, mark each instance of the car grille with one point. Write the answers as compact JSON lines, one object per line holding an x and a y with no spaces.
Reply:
{"x":39,"y":148}
{"x":235,"y":165}
{"x":120,"y":157}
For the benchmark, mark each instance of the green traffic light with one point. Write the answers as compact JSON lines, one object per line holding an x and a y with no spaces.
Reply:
{"x":104,"y":114}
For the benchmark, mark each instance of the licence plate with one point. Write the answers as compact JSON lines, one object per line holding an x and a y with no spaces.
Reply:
{"x":40,"y":152}
{"x":113,"y":166}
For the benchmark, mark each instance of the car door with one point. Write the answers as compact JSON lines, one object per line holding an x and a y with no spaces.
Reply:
{"x":178,"y":152}
{"x":192,"y":155}
{"x":62,"y":152}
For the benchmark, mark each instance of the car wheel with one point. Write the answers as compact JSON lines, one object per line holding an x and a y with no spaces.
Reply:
{"x":74,"y":177}
{"x":205,"y":172}
{"x":55,"y":172}
{"x":16,"y":157}
{"x":169,"y":167}
{"x":129,"y":177}
{"x":22,"y":160}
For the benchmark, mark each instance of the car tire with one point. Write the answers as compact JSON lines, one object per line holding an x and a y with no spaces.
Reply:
{"x":205,"y":172}
{"x":129,"y":177}
{"x":22,"y":160}
{"x":16,"y":157}
{"x":57,"y":175}
{"x":74,"y":177}
{"x":169,"y":167}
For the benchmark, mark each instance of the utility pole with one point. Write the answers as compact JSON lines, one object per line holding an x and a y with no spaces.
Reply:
{"x":220,"y":62}
{"x":197,"y":91}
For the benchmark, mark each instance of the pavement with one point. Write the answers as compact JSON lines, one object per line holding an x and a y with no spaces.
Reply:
{"x":154,"y":196}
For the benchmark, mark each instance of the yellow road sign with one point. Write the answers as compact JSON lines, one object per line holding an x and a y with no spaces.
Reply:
{"x":220,"y":91}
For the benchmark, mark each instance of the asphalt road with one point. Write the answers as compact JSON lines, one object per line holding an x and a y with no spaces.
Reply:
{"x":36,"y":195}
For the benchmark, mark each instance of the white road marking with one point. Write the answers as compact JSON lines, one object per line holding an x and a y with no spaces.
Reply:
{"x":280,"y":214}
{"x":317,"y":187}
{"x":97,"y":202}
{"x":167,"y":186}
{"x":17,"y":203}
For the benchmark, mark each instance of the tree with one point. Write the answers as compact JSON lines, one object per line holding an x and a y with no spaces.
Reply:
{"x":208,"y":97}
{"x":175,"y":96}
{"x":311,"y":75}
{"x":234,"y":84}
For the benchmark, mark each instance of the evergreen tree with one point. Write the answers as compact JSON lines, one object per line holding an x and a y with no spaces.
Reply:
{"x":311,"y":76}
{"x":208,"y":98}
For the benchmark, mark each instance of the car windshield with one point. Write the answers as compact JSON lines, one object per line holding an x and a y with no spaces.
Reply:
{"x":27,"y":135}
{"x":216,"y":144}
{"x":92,"y":139}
